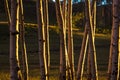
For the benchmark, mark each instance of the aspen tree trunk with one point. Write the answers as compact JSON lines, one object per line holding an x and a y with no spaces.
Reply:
{"x":65,"y":15}
{"x":89,"y":74}
{"x":22,"y":42}
{"x":93,"y":15}
{"x":7,"y":11}
{"x":70,"y":40}
{"x":46,"y":24}
{"x":62,"y":41}
{"x":91,"y":43}
{"x":113,"y":68}
{"x":83,"y":50}
{"x":41,"y":41}
{"x":92,"y":53}
{"x":15,"y":72}
{"x":82,"y":54}
{"x":64,"y":12}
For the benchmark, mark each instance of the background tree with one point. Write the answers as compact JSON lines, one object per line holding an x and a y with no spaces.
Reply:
{"x":15,"y":72}
{"x":41,"y":41}
{"x":7,"y":11}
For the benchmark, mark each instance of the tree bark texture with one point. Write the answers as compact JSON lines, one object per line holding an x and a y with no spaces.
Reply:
{"x":22,"y":42}
{"x":113,"y":68}
{"x":93,"y":15}
{"x":41,"y":41}
{"x":91,"y":42}
{"x":70,"y":40}
{"x":15,"y":72}
{"x":82,"y":54}
{"x":63,"y":50}
{"x":46,"y":24}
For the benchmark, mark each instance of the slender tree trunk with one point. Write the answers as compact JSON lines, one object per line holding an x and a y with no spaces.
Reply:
{"x":7,"y":11}
{"x":82,"y":54}
{"x":41,"y":41}
{"x":93,"y":15}
{"x":113,"y":68}
{"x":64,"y":11}
{"x":22,"y":42}
{"x":68,"y":70}
{"x":119,"y":55}
{"x":46,"y":22}
{"x":63,"y":51}
{"x":89,"y":77}
{"x":119,"y":52}
{"x":70,"y":40}
{"x":92,"y":53}
{"x":15,"y":72}
{"x":91,"y":42}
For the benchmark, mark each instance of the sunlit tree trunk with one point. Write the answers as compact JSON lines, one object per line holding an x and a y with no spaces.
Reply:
{"x":113,"y":68}
{"x":83,"y":50}
{"x":70,"y":40}
{"x":46,"y":24}
{"x":63,"y":51}
{"x":15,"y":72}
{"x":93,"y":15}
{"x":7,"y":11}
{"x":81,"y":61}
{"x":64,"y":12}
{"x":22,"y":42}
{"x":89,"y":32}
{"x":91,"y":43}
{"x":41,"y":41}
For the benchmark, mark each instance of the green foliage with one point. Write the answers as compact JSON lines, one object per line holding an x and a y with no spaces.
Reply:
{"x":78,"y":20}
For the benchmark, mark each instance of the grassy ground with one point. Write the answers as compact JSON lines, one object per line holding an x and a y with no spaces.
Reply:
{"x":102,"y":47}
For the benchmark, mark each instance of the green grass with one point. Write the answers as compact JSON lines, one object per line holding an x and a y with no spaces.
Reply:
{"x":102,"y":47}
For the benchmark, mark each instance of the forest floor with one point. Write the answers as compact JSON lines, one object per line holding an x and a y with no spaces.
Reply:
{"x":102,"y":43}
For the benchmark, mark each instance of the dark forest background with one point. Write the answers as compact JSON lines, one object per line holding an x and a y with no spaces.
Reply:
{"x":104,"y":17}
